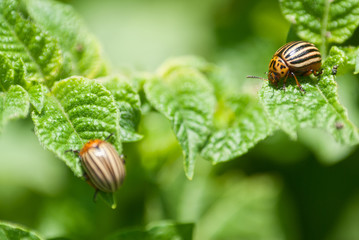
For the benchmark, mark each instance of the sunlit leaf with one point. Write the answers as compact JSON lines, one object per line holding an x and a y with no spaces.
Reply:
{"x":13,"y":104}
{"x":21,"y":39}
{"x":11,"y":73}
{"x":37,"y":96}
{"x":319,"y":107}
{"x":75,"y":111}
{"x":352,"y":53}
{"x":317,"y":20}
{"x":184,"y":62}
{"x":14,"y":100}
{"x":186,"y":98}
{"x":129,"y":105}
{"x":81,"y":50}
{"x":249,"y":125}
{"x":210,"y":70}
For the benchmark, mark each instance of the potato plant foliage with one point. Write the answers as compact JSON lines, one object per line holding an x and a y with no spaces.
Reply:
{"x":52,"y":70}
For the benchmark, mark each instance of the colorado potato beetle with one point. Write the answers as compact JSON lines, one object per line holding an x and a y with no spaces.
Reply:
{"x":104,"y":167}
{"x":293,"y":59}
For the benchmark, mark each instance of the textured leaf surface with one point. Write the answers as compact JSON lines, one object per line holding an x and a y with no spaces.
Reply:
{"x":13,"y":232}
{"x":11,"y":73}
{"x":37,"y":96}
{"x":352,"y":53}
{"x":76,"y":111}
{"x":13,"y":104}
{"x":318,"y":20}
{"x":186,"y":98}
{"x":129,"y":105}
{"x":14,"y":100}
{"x":158,"y":231}
{"x":20,"y":38}
{"x":194,"y":62}
{"x":318,"y":108}
{"x":211,"y":71}
{"x":81,"y":50}
{"x":250,"y":125}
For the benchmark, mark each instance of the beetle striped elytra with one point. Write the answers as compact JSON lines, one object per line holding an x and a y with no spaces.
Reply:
{"x":104,"y":167}
{"x":298,"y":58}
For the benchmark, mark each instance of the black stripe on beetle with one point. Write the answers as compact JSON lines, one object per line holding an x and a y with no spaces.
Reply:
{"x":284,"y":48}
{"x":292,"y":47}
{"x":308,"y":59}
{"x":272,"y":65}
{"x":104,"y":168}
{"x":301,"y":53}
{"x":103,"y":165}
{"x":294,"y":58}
{"x":299,"y":57}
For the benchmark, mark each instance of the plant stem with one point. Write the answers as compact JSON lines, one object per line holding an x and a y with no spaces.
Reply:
{"x":324,"y":27}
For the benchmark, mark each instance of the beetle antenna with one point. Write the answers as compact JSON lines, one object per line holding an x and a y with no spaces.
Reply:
{"x":250,"y":76}
{"x":108,"y":137}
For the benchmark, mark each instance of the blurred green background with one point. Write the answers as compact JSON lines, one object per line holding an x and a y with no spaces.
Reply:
{"x":281,"y":189}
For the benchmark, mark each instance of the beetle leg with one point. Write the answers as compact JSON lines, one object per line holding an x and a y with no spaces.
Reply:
{"x":285,"y":81}
{"x":317,"y":73}
{"x":298,"y":84}
{"x":108,"y":137}
{"x":275,"y":84}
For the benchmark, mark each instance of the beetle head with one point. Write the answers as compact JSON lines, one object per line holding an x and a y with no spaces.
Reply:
{"x":278,"y":69}
{"x":273,"y":78}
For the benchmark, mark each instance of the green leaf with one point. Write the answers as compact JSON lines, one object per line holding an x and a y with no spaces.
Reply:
{"x":14,"y":100}
{"x":22,"y":39}
{"x":194,"y":62}
{"x":129,"y":105}
{"x":37,"y":96}
{"x":319,"y":107}
{"x":75,"y":111}
{"x":249,"y":126}
{"x":165,"y":230}
{"x":9,"y":231}
{"x":81,"y":50}
{"x":213,"y":73}
{"x":186,"y":98}
{"x":352,"y":53}
{"x":11,"y":73}
{"x":13,"y":104}
{"x":109,"y":198}
{"x":322,"y":21}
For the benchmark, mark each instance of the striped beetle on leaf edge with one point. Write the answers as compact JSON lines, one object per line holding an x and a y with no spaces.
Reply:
{"x":297,"y":58}
{"x":104,"y":167}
